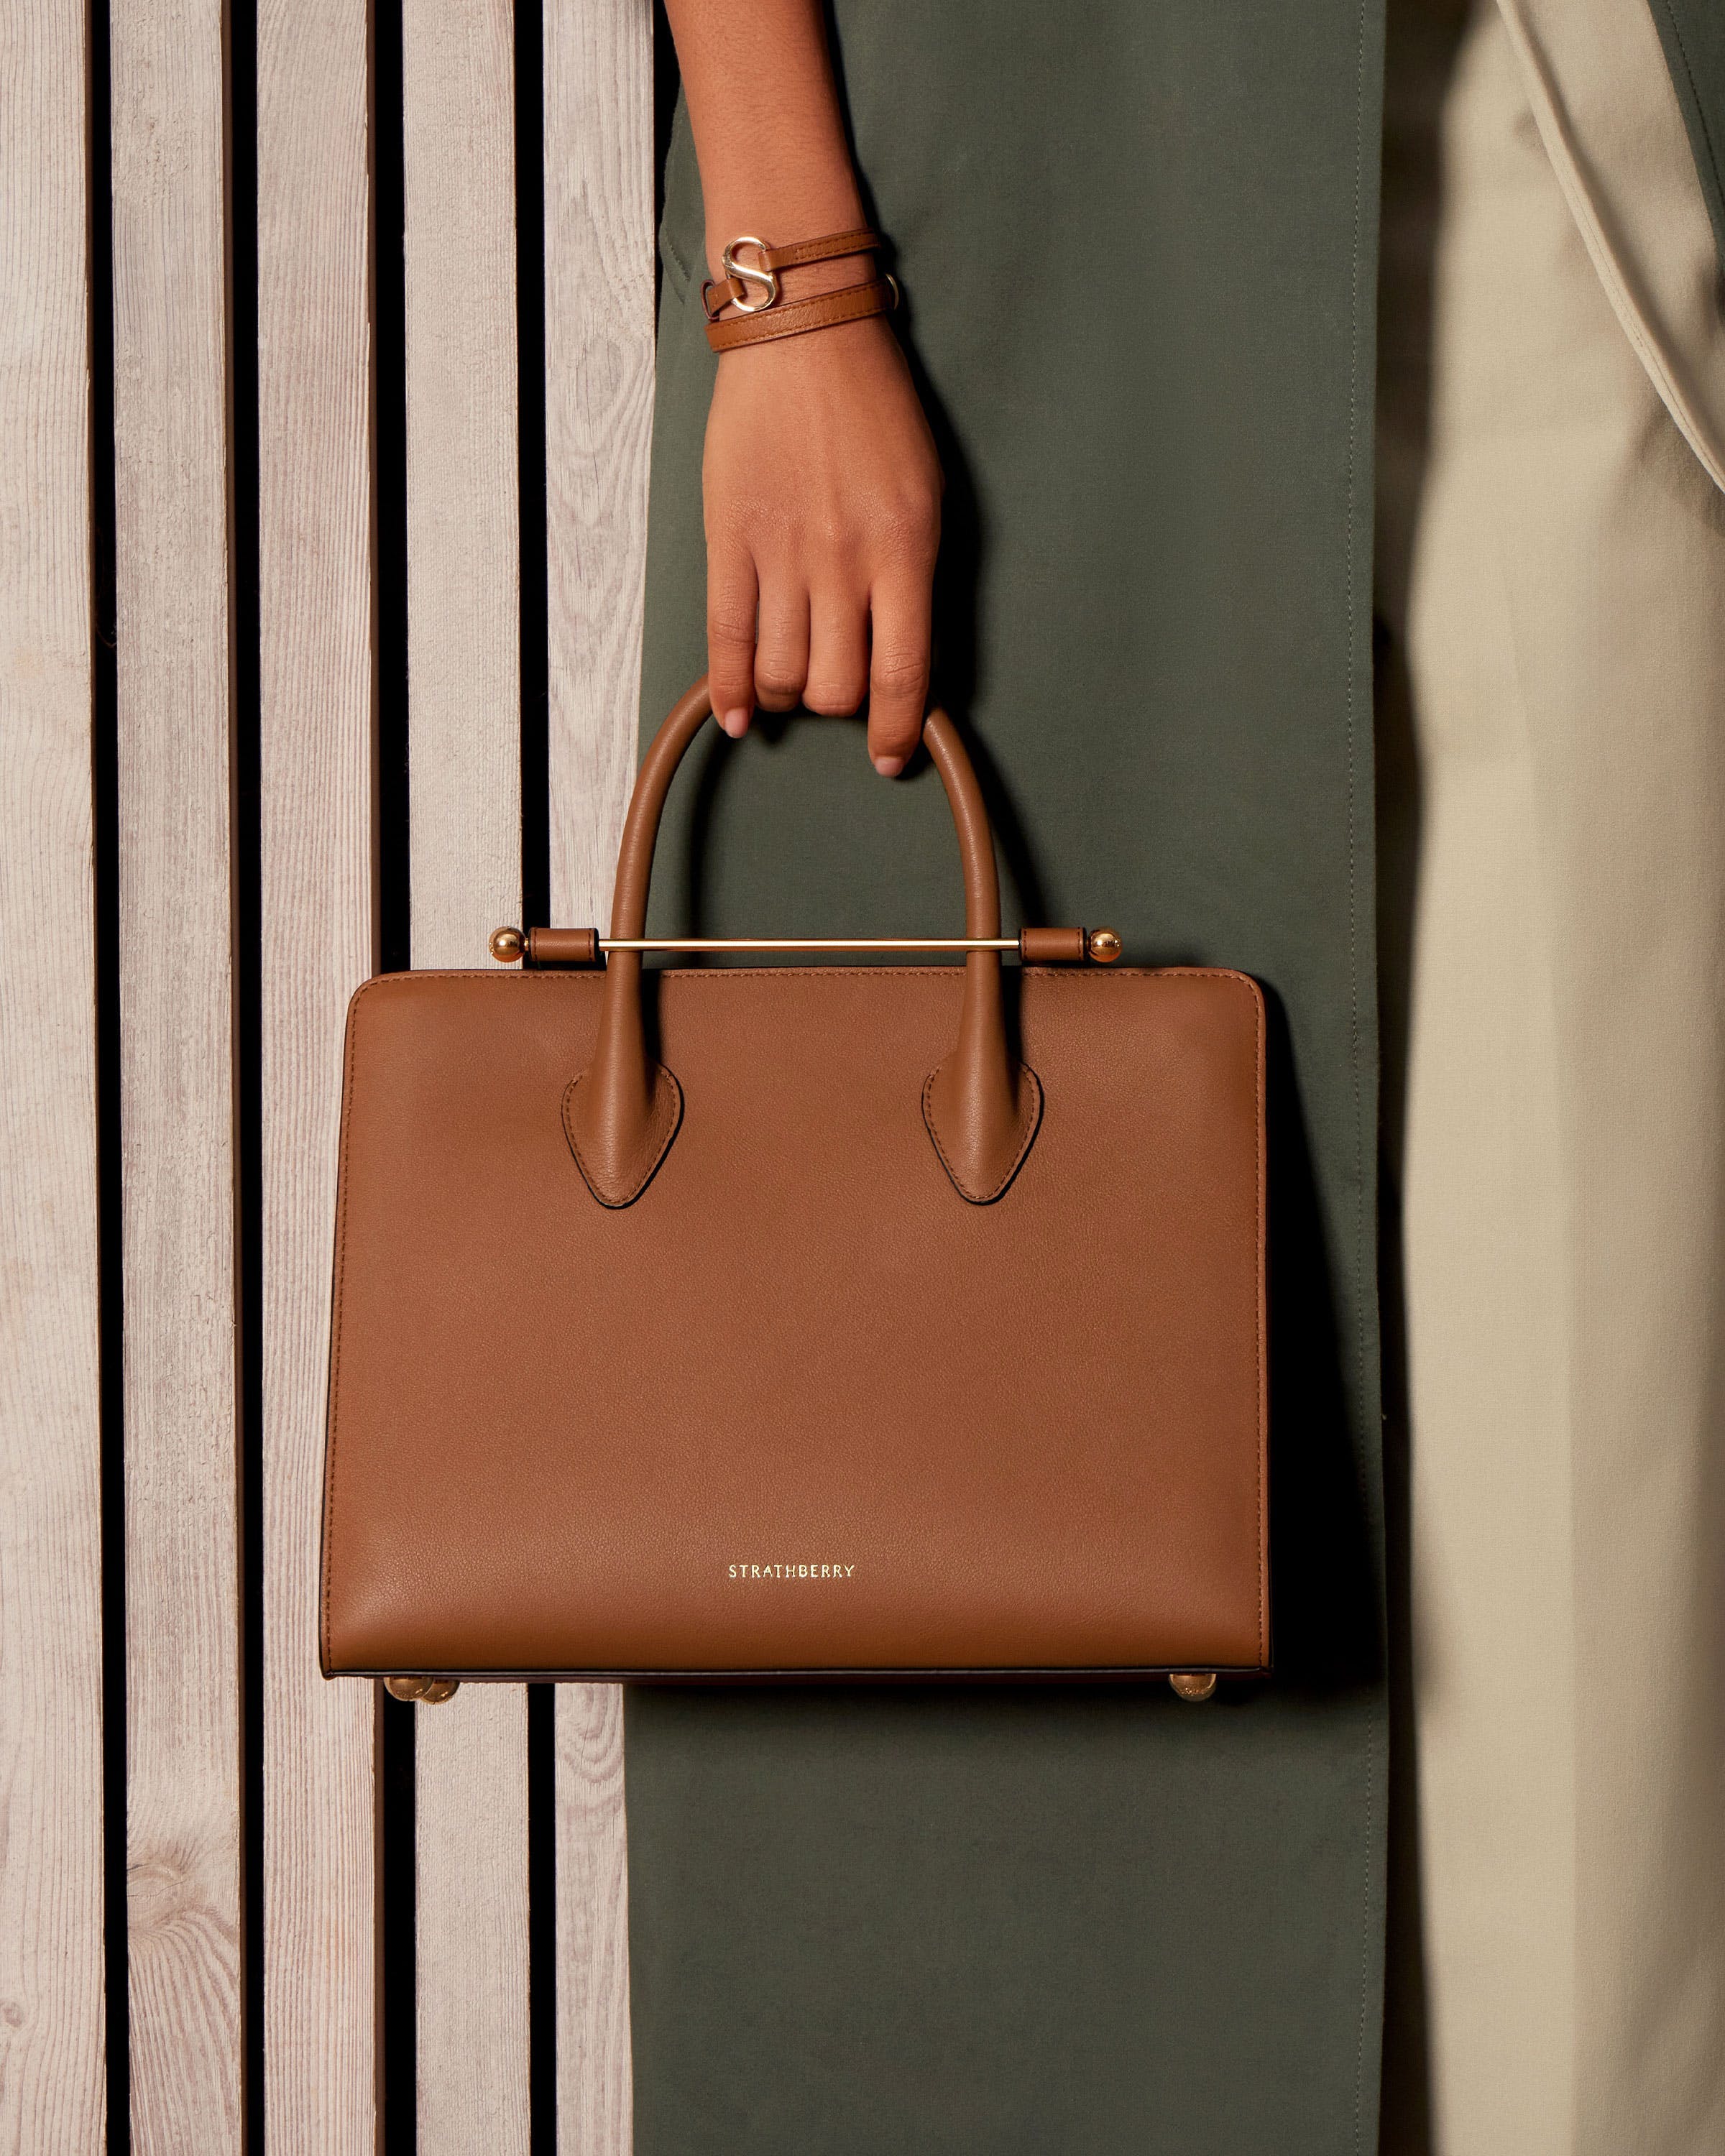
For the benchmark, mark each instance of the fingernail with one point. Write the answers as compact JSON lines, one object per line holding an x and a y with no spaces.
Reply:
{"x":889,"y":767}
{"x":736,"y":724}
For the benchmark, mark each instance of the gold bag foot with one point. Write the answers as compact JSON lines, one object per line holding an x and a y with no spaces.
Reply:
{"x":429,"y":1692}
{"x":1193,"y":1684}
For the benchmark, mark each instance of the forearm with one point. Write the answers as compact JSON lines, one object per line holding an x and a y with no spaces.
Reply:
{"x":820,"y":483}
{"x":769,"y":135}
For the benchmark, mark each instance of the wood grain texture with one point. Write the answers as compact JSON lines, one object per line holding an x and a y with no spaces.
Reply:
{"x":470,"y":1789}
{"x":598,"y":374}
{"x":184,"y":1854}
{"x":599,"y":419}
{"x":463,"y":526}
{"x":464,"y":641}
{"x":594,"y":2083}
{"x":317,"y":864}
{"x":51,"y":2048}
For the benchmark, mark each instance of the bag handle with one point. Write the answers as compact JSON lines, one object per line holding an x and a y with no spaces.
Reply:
{"x":981,"y":1105}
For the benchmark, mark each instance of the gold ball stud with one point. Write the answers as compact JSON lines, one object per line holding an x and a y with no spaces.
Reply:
{"x":1193,"y":1684}
{"x":428,"y":1691}
{"x":508,"y":945}
{"x":1104,"y":946}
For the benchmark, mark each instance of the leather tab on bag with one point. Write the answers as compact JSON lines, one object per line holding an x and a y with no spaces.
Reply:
{"x":1053,"y":946}
{"x":564,"y":946}
{"x":981,"y":1131}
{"x":618,"y":1156}
{"x":981,"y":1107}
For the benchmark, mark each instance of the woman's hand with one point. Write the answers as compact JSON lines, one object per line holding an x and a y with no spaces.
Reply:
{"x":822,"y":491}
{"x":822,"y":486}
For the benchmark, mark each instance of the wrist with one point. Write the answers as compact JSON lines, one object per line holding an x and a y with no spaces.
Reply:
{"x":815,"y":283}
{"x":841,"y":352}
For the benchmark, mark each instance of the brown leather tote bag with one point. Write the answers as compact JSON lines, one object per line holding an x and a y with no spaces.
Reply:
{"x":799,"y":1320}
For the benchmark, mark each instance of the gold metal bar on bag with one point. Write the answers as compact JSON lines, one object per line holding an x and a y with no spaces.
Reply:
{"x":582,"y":946}
{"x":809,"y":943}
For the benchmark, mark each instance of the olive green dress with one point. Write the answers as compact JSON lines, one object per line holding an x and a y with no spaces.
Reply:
{"x":1137,"y":243}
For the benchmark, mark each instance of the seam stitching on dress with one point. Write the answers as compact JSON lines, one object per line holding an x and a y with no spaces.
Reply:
{"x":677,"y":262}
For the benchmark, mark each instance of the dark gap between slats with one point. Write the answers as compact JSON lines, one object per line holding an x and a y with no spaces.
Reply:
{"x":542,"y":1920}
{"x":104,"y":780}
{"x":245,"y":853}
{"x":398,"y":1966}
{"x":530,"y":405}
{"x":389,"y":451}
{"x":536,"y":889}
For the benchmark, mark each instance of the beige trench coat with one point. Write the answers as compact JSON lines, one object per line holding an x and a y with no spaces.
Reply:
{"x":1551,"y":723}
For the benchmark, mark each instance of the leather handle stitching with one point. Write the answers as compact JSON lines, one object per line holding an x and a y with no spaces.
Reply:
{"x":1033,"y":1123}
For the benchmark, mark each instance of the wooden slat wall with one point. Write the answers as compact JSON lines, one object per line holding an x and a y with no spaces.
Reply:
{"x":598,"y":373}
{"x":316,"y":679}
{"x":51,"y":2047}
{"x":464,"y":643}
{"x":175,"y":528}
{"x":184,"y":1855}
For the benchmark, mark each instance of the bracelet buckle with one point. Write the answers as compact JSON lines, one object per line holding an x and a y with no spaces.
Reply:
{"x":738,"y":279}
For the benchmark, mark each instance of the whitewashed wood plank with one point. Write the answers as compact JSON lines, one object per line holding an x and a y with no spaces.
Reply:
{"x":598,"y":373}
{"x":470,"y":1790}
{"x":599,"y":419}
{"x":184,"y":1855}
{"x":464,"y":645}
{"x":51,"y":1989}
{"x":464,"y":525}
{"x":317,"y":864}
{"x":595,"y":2101}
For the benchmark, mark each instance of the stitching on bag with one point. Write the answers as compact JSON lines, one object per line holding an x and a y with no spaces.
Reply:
{"x":1234,"y":978}
{"x":1221,"y":974}
{"x":673,"y":1124}
{"x":349,"y":1059}
{"x":1032,"y":1125}
{"x":564,"y":977}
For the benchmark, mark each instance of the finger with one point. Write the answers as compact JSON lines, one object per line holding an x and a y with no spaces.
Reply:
{"x":732,"y":598}
{"x":781,"y":642}
{"x":901,"y":622}
{"x":837,"y":652}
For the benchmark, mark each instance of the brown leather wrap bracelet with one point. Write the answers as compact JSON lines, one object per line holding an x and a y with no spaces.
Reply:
{"x":851,"y":303}
{"x":760,"y":321}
